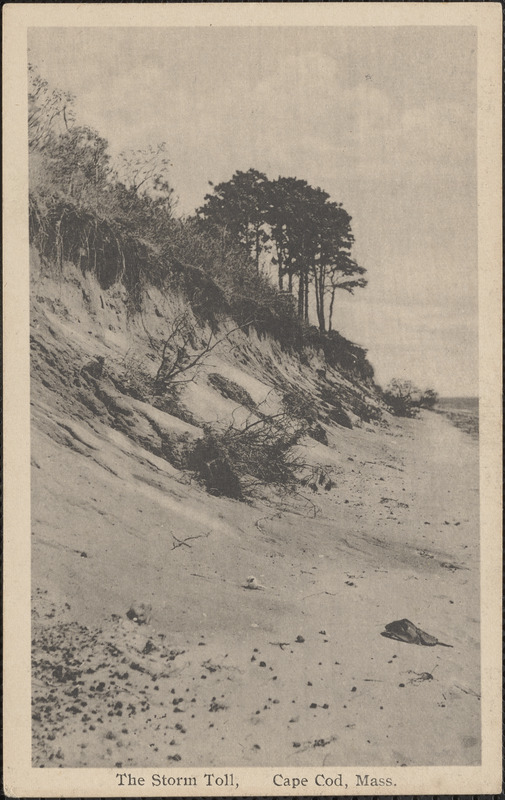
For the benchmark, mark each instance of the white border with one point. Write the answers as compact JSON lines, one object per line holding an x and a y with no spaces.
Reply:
{"x":20,"y":778}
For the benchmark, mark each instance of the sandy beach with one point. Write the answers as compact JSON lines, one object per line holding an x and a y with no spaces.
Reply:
{"x":148,"y":647}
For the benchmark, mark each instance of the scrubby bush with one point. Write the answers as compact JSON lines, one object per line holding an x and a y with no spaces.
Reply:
{"x":235,"y":460}
{"x":211,"y":459}
{"x":340,"y":352}
{"x":428,"y":399}
{"x":403,"y":398}
{"x":180,"y":356}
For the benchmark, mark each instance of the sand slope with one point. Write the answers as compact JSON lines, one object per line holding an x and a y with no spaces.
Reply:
{"x":293,"y":673}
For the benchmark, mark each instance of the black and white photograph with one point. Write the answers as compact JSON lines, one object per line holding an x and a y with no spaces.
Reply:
{"x":261,"y":431}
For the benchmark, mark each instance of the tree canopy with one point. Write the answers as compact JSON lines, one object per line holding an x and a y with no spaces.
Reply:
{"x":293,"y":226}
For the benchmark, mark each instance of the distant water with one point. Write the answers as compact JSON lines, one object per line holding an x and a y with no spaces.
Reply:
{"x":462,"y":412}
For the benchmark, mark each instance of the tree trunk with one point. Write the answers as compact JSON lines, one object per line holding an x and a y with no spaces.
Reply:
{"x":330,"y":321}
{"x":320,"y":311}
{"x":280,"y":276}
{"x":306,"y":309}
{"x":322,"y":321}
{"x":257,"y":245}
{"x":318,"y":273}
{"x":301,"y":286}
{"x":316,"y":291}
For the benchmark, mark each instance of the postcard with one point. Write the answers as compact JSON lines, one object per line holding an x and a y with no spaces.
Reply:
{"x":252,"y":321}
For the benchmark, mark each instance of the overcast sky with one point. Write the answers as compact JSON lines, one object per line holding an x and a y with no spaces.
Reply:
{"x":383,"y":119}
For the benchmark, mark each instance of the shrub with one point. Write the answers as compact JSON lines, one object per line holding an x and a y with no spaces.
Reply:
{"x":211,"y":460}
{"x":340,"y":352}
{"x":429,"y":399}
{"x":232,"y":462}
{"x":64,"y":231}
{"x":401,"y":398}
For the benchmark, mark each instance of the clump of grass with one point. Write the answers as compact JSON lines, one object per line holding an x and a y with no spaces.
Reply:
{"x":300,"y":405}
{"x":231,"y":390}
{"x":334,"y":408}
{"x":303,"y":407}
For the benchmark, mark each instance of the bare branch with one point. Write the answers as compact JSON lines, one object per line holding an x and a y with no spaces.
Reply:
{"x":180,"y":542}
{"x":182,"y":363}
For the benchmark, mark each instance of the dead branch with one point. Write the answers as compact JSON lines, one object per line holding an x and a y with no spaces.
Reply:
{"x":180,"y":542}
{"x":184,"y":363}
{"x":333,"y":594}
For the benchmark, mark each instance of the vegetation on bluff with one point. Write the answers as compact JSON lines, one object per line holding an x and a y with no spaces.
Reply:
{"x":117,"y":218}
